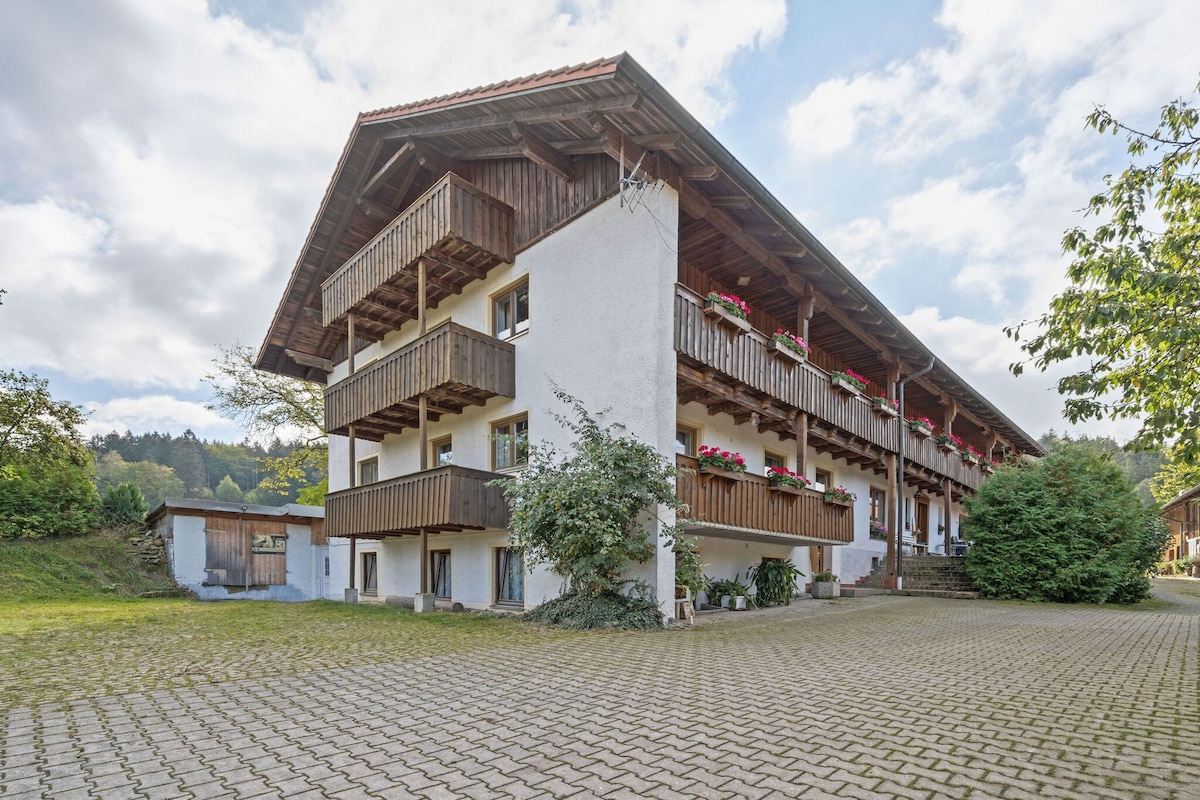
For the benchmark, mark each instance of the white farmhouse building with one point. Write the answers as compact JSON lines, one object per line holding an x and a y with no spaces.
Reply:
{"x":475,"y":250}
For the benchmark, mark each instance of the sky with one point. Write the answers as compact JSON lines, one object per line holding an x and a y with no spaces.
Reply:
{"x":161,"y":162}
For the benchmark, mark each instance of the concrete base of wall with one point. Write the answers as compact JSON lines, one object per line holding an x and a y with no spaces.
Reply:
{"x":424,"y":604}
{"x":352,"y":596}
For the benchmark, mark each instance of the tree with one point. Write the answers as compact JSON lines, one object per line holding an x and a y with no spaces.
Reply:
{"x":1174,"y":477}
{"x":1133,"y":309}
{"x":123,"y":504}
{"x":1069,"y":528}
{"x":582,"y":513}
{"x":228,"y":492}
{"x":273,"y":405}
{"x":45,"y":468}
{"x":1139,"y":466}
{"x":156,"y":482}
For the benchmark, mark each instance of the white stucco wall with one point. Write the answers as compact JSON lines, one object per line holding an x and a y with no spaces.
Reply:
{"x":601,"y":318}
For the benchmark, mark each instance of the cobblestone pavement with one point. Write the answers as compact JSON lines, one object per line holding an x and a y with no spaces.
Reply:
{"x":872,"y":697}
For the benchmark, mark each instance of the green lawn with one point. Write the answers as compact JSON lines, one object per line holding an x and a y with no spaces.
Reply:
{"x":72,"y":625}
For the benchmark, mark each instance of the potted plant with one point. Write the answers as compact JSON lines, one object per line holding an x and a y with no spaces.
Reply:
{"x":788,"y":347}
{"x":825,"y":586}
{"x":774,"y":581}
{"x":689,"y":572}
{"x":728,"y":311}
{"x":783,"y":479}
{"x":739,"y":595}
{"x":884,"y":407}
{"x":878,"y":531}
{"x":718,"y":592}
{"x":921,"y":425}
{"x":840,"y":496}
{"x":971,"y":455}
{"x":715,"y":461}
{"x":849,"y":382}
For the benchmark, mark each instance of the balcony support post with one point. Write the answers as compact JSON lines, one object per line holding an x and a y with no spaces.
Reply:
{"x":422,"y":287}
{"x":424,"y":561}
{"x":350,"y":456}
{"x":946,"y":503}
{"x":804,"y":312}
{"x":423,"y":429}
{"x":353,"y":559}
{"x":892,"y":518}
{"x":801,"y":442}
{"x":350,"y":344}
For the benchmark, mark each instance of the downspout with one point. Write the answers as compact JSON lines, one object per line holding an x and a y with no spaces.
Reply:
{"x":901,"y":421}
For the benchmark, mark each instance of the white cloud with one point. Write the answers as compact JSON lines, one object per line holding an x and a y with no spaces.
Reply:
{"x":999,"y":61}
{"x":158,"y":412}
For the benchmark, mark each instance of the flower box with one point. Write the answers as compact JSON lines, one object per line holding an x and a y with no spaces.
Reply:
{"x":988,"y":467}
{"x":884,"y":407}
{"x":726,"y":318}
{"x":729,"y":474}
{"x":844,"y":385}
{"x":838,"y":500}
{"x":920,"y":427}
{"x":970,"y":458}
{"x":947,"y":447}
{"x":786,"y":488}
{"x":787,"y":355}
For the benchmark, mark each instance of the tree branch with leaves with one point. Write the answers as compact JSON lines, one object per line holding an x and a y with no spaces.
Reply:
{"x":1133,"y":308}
{"x":270,"y":405}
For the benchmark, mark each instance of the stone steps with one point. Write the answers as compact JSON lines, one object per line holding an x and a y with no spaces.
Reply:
{"x":942,"y":574}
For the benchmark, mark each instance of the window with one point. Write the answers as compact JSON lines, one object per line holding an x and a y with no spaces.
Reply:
{"x":511,"y":311}
{"x":443,"y":453}
{"x":510,"y":576}
{"x":878,"y":506}
{"x":370,"y":574}
{"x":773,"y":460}
{"x":368,"y":471}
{"x":685,"y":440}
{"x":439,"y":571}
{"x":822,"y":480}
{"x":510,"y":443}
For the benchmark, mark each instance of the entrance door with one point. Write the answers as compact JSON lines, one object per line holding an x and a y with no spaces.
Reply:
{"x":370,"y":574}
{"x":922,"y":525}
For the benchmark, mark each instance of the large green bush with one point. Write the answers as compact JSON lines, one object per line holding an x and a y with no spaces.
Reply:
{"x":1069,"y":528}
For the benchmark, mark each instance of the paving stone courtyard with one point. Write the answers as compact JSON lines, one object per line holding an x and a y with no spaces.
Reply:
{"x":865,"y":698}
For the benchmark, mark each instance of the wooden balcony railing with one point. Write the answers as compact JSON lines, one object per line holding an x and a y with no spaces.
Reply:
{"x":444,"y":499}
{"x":454,"y":366}
{"x":750,"y":509}
{"x":462,"y":225}
{"x":745,"y":360}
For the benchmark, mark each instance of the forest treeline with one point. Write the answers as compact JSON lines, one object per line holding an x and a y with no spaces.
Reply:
{"x":163,"y":465}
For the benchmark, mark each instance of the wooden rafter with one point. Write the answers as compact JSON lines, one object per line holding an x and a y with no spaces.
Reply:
{"x":611,"y":105}
{"x":541,"y":153}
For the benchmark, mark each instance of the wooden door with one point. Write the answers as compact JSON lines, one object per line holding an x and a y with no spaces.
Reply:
{"x":922,"y":523}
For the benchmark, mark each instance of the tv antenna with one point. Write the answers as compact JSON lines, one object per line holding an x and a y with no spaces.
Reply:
{"x":634,"y":188}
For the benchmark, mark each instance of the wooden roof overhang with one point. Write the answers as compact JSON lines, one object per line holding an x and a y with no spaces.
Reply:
{"x":729,"y":225}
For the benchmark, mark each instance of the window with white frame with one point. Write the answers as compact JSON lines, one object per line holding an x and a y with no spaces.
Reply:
{"x":822,"y":480}
{"x":439,"y":572}
{"x":368,"y":471}
{"x":510,"y":576}
{"x":510,"y":443}
{"x":510,"y":311}
{"x":773,"y":460}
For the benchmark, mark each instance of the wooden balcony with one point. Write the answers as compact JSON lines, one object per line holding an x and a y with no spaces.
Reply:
{"x":748,"y":509}
{"x":736,"y":374}
{"x":443,"y":499}
{"x":452,"y":365}
{"x":462,"y":232}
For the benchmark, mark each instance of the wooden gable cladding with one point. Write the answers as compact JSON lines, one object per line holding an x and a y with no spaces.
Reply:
{"x":450,"y":498}
{"x":452,"y":365}
{"x":461,"y":229}
{"x":230,"y":559}
{"x":751,"y":509}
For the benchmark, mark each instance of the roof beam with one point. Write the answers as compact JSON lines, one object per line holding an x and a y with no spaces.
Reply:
{"x":541,"y":153}
{"x":389,"y":167}
{"x":611,"y":105}
{"x":704,"y":173}
{"x":309,"y":360}
{"x":435,"y":160}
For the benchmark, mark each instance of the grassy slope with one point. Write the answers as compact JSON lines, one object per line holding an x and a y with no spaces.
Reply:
{"x":98,"y":565}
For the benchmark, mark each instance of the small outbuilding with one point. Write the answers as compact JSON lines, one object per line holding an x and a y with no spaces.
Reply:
{"x":1182,"y":516}
{"x":227,"y":551}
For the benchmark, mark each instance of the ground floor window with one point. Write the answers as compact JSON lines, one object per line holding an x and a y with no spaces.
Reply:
{"x":370,"y":573}
{"x":878,"y":506}
{"x":510,"y":576}
{"x":439,"y":569}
